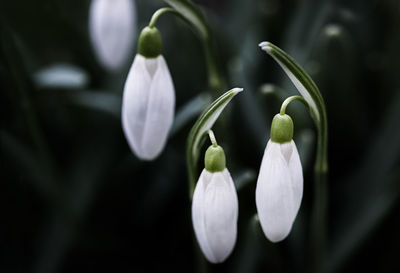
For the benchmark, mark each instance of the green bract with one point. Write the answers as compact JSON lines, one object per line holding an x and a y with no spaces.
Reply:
{"x":199,"y":129}
{"x":150,"y":42}
{"x":282,"y":128}
{"x":214,"y":160}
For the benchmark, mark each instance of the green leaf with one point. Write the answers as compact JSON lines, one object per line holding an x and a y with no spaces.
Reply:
{"x":190,"y":12}
{"x":199,"y":129}
{"x":303,"y":82}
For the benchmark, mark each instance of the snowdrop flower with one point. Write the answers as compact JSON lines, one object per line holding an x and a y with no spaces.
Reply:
{"x":112,"y":28}
{"x":215,"y":208}
{"x":280,"y":182}
{"x":149,"y":98}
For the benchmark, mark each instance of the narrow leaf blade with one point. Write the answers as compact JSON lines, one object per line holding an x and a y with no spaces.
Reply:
{"x":303,"y":82}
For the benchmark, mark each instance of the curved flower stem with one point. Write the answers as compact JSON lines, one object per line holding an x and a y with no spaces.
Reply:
{"x":190,"y":14}
{"x":212,"y":138}
{"x":289,"y":100}
{"x":160,"y":12}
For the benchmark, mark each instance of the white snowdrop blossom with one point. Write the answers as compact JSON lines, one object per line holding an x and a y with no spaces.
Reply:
{"x":215,"y":206}
{"x":112,"y":28}
{"x":279,"y":186}
{"x":215,"y":214}
{"x":148,"y":106}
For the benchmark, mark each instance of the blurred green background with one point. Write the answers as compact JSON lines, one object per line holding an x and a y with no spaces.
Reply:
{"x":74,"y":198}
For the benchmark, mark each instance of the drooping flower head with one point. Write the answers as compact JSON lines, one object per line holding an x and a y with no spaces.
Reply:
{"x":149,"y":98}
{"x":112,"y":28}
{"x":215,"y":208}
{"x":280,"y":182}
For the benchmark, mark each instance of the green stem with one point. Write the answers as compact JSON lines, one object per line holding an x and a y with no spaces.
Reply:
{"x":289,"y":100}
{"x":318,"y":224}
{"x":318,"y":216}
{"x":215,"y":81}
{"x":160,"y":12}
{"x":212,"y":138}
{"x":318,"y":227}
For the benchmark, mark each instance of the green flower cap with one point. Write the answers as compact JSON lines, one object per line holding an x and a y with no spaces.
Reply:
{"x":150,"y":42}
{"x":214,"y":160}
{"x":281,"y":128}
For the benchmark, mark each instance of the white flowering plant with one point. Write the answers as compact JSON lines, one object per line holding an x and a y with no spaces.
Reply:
{"x":111,"y":112}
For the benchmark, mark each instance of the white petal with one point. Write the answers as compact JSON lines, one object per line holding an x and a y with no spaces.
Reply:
{"x":134,"y":104}
{"x":112,"y":28}
{"x":274,"y":194}
{"x":160,"y":110}
{"x":296,"y":173}
{"x":292,"y":158}
{"x":198,"y":208}
{"x":214,"y":214}
{"x":148,"y":106}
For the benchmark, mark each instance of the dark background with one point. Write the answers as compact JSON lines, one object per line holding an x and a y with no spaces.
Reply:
{"x":73,"y":198}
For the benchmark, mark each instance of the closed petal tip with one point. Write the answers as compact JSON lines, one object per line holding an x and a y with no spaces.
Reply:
{"x":277,"y":234}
